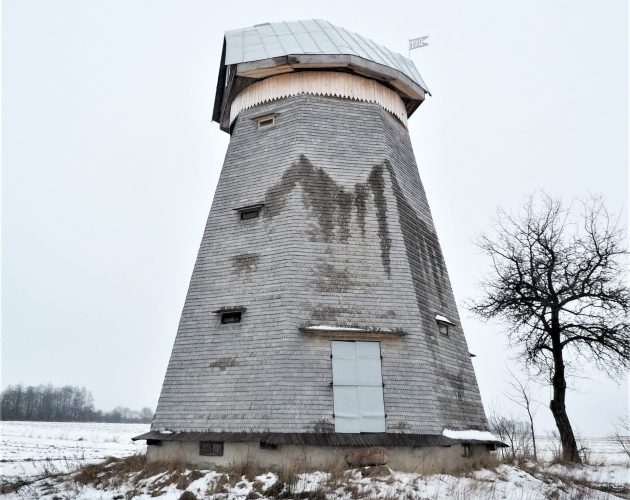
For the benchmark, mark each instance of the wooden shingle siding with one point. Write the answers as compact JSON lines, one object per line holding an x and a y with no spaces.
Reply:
{"x":346,"y":236}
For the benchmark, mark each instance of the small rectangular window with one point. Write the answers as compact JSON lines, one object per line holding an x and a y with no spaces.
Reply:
{"x":466,"y":450}
{"x":211,"y":448}
{"x":250,"y":213}
{"x":154,"y":442}
{"x":444,"y":324}
{"x":265,"y":121}
{"x":231,"y":317}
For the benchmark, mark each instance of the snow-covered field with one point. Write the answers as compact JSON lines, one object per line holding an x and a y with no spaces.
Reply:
{"x":604,"y":450}
{"x":36,"y":449}
{"x":30,"y":449}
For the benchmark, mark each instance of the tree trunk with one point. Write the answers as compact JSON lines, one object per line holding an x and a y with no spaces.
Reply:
{"x":531,"y":428}
{"x":557,"y":405}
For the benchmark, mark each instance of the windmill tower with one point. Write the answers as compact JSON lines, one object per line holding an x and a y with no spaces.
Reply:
{"x":320,"y":316}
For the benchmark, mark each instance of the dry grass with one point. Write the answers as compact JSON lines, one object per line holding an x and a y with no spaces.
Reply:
{"x":585,"y":488}
{"x":12,"y":486}
{"x":116,"y":472}
{"x":248,"y":468}
{"x":218,"y":486}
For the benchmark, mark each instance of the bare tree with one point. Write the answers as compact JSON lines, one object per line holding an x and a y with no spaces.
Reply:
{"x":521,"y":395}
{"x":622,"y":434}
{"x":557,"y":282}
{"x":514,"y":433}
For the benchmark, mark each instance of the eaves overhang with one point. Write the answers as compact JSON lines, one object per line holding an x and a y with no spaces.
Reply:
{"x":235,"y":78}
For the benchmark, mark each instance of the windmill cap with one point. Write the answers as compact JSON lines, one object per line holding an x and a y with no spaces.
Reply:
{"x":257,"y":52}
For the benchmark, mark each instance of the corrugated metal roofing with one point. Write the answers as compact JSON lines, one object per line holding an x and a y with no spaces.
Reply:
{"x":312,"y":36}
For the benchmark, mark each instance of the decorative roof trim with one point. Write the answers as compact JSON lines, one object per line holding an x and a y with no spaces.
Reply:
{"x":322,"y":83}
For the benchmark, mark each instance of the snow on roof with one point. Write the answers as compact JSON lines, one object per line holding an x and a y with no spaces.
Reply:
{"x":470,"y":435}
{"x":443,"y":319}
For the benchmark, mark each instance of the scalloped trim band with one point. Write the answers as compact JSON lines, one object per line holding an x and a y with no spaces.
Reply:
{"x":323,"y":83}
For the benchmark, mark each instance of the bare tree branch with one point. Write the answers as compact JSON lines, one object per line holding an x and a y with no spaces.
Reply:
{"x":557,"y":282}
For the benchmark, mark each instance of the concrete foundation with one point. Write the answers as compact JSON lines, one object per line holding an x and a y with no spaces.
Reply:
{"x":399,"y":457}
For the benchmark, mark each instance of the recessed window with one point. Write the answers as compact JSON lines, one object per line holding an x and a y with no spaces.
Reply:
{"x":466,"y":450}
{"x":265,"y":121}
{"x":154,"y":442}
{"x":444,"y":324}
{"x":250,"y":213}
{"x":230,"y":317}
{"x":211,"y":448}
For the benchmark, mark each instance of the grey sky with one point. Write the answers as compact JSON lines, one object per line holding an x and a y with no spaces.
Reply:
{"x":110,"y":162}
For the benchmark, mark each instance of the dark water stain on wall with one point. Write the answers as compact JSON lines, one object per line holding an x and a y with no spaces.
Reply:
{"x":428,"y":270}
{"x":332,"y":205}
{"x":377,"y":185}
{"x":360,"y":203}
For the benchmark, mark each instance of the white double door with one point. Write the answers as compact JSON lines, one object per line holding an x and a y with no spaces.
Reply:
{"x":357,"y":387}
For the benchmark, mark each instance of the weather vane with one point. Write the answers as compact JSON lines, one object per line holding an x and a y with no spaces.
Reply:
{"x":417,"y":43}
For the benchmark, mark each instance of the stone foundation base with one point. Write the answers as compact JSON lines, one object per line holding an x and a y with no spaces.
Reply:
{"x":397,"y":457}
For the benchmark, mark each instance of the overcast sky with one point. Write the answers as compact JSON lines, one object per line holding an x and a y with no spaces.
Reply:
{"x":110,"y":161}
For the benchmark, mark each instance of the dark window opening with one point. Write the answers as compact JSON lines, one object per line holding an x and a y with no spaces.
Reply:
{"x":268,"y":446}
{"x":154,"y":442}
{"x":231,"y":317}
{"x":250,"y":213}
{"x":467,"y":450}
{"x":266,"y":121}
{"x":211,"y":448}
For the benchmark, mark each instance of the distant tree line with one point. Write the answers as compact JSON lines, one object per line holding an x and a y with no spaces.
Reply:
{"x":62,"y":404}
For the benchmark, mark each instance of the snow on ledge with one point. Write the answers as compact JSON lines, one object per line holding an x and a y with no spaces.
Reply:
{"x":470,"y":435}
{"x":443,"y":319}
{"x":330,"y":328}
{"x":314,"y":329}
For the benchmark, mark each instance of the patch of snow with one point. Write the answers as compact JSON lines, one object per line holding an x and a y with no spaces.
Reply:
{"x":330,"y":328}
{"x":443,"y":319}
{"x":31,"y":449}
{"x":470,"y":435}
